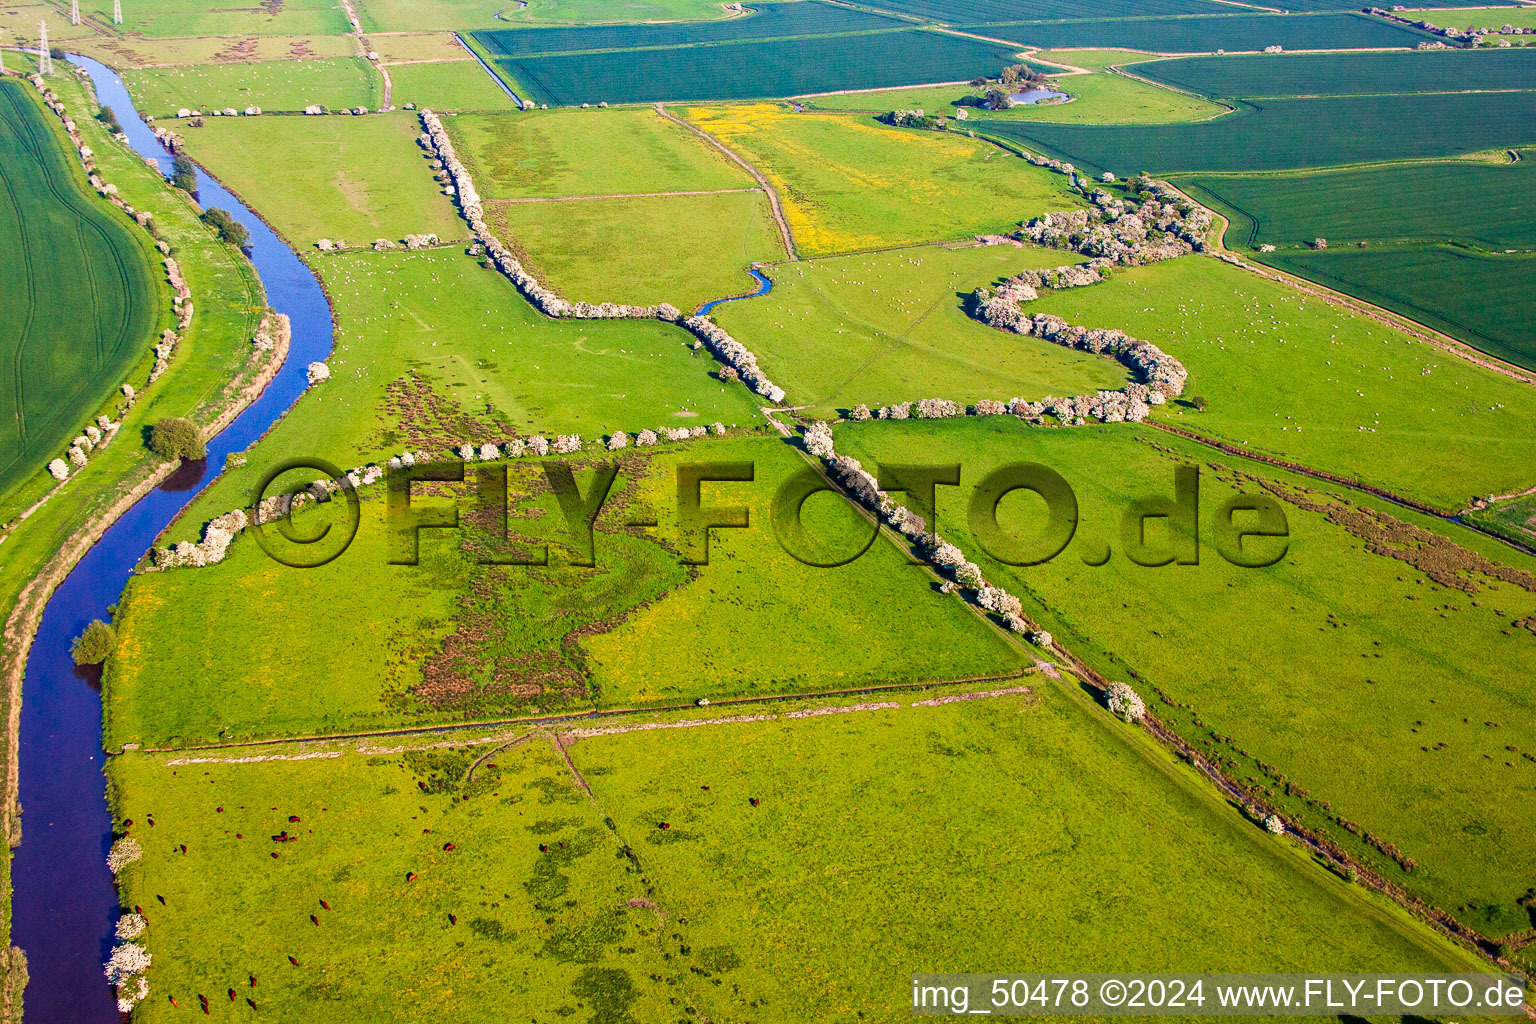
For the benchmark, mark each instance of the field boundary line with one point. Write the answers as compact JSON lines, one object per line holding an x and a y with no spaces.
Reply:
{"x":626,"y":195}
{"x":785,"y":235}
{"x":570,"y":716}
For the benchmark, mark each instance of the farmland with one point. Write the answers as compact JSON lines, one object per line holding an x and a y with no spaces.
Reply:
{"x":1482,"y":299}
{"x":1405,"y":202}
{"x":756,"y":68}
{"x":643,"y":250}
{"x":216,"y":17}
{"x":765,"y":21}
{"x":1279,"y":134}
{"x":988,"y":12}
{"x":1359,"y":74}
{"x":1192,"y":34}
{"x":448,"y":85}
{"x":517,"y":890}
{"x":584,"y":153}
{"x":1096,"y":99}
{"x":271,"y":85}
{"x":1292,"y":377}
{"x":1358,"y":605}
{"x":66,"y":249}
{"x":450,"y":638}
{"x":849,"y":183}
{"x":371,"y":164}
{"x":418,"y":15}
{"x":889,"y":327}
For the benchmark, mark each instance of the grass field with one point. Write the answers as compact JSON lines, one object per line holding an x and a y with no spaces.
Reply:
{"x":644,"y":251}
{"x":1345,"y":683}
{"x":1406,"y":202}
{"x":271,"y":85}
{"x":1511,"y":517}
{"x":397,"y":46}
{"x":764,"y":21}
{"x":1356,"y":74}
{"x":432,"y":350}
{"x":889,"y":327}
{"x":562,"y":902}
{"x":1489,"y":17}
{"x":1292,"y":377}
{"x":849,"y":183}
{"x":1226,"y":31}
{"x":448,"y":85}
{"x":450,"y":639}
{"x":757,"y":69}
{"x":1483,"y":300}
{"x":1281,"y":134}
{"x":213,"y":17}
{"x":80,"y":285}
{"x":349,"y":178}
{"x":139,"y":51}
{"x":587,"y":153}
{"x":1096,"y":99}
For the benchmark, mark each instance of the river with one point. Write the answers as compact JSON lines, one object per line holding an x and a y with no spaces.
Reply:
{"x":64,"y":907}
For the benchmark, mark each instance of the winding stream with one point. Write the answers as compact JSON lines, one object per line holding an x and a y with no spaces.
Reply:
{"x":64,"y":907}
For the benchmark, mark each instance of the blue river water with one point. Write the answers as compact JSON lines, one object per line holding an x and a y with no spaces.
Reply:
{"x":764,"y":286}
{"x":64,"y":907}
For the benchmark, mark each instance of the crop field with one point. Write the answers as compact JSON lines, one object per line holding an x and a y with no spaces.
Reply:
{"x":1096,"y":99}
{"x":1280,"y":134}
{"x":1292,"y":377}
{"x":448,"y":85}
{"x":1192,"y":34}
{"x":434,"y":350}
{"x":889,"y":327}
{"x":1400,"y":707}
{"x":516,"y":889}
{"x":974,"y":12}
{"x":1406,"y":202}
{"x":588,"y":153}
{"x":849,"y":183}
{"x":218,"y":17}
{"x":757,"y":69}
{"x":1356,"y":74}
{"x":1482,"y":299}
{"x":644,"y":251}
{"x":82,"y":298}
{"x":270,"y":85}
{"x":451,"y":639}
{"x":353,"y":179}
{"x":765,"y":21}
{"x":1430,"y":5}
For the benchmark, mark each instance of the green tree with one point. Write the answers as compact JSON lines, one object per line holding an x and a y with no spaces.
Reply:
{"x":1199,"y":403}
{"x":177,"y":438}
{"x":95,"y":645}
{"x":184,"y":173}
{"x":229,"y":229}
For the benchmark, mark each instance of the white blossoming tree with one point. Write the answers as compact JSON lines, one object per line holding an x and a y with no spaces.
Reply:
{"x":1125,"y":703}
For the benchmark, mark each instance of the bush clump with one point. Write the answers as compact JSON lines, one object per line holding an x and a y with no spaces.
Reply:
{"x":177,"y":438}
{"x":229,"y":229}
{"x":95,"y":644}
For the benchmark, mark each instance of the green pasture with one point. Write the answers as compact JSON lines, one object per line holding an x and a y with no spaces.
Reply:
{"x":215,"y":17}
{"x":82,"y":289}
{"x":285,"y":85}
{"x":1425,"y":202}
{"x":1226,"y":31}
{"x":1509,"y":517}
{"x":422,"y":15}
{"x":450,"y":638}
{"x":448,"y":85}
{"x":411,"y":46}
{"x":1281,"y":134}
{"x":1095,"y":59}
{"x":757,"y":68}
{"x":433,"y":350}
{"x":1488,"y":17}
{"x":643,"y":251}
{"x":1292,"y":377}
{"x":1484,"y":300}
{"x":762,"y":21}
{"x":353,"y":179}
{"x":495,"y":925}
{"x":848,"y":182}
{"x":587,"y":153}
{"x":1343,"y":683}
{"x":140,"y":51}
{"x":1095,"y":99}
{"x":1352,"y":74}
{"x":883,"y":328}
